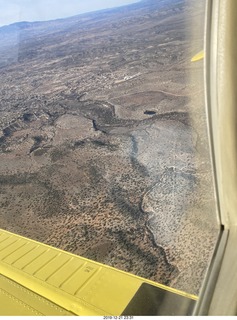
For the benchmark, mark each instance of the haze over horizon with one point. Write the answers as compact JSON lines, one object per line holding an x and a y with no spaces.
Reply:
{"x":42,"y":10}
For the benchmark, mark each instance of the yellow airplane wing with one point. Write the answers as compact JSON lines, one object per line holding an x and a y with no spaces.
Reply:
{"x":198,"y":56}
{"x":36,"y":279}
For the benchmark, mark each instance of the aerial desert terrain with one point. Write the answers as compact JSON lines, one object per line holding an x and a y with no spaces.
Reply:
{"x":103,"y":141}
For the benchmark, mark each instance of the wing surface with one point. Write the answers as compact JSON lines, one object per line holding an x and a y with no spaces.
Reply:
{"x":198,"y":56}
{"x":36,"y":279}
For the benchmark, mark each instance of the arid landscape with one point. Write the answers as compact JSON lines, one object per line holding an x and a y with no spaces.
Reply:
{"x":103,"y":142}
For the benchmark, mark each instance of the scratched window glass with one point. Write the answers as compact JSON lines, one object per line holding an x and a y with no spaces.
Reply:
{"x":103,"y":143}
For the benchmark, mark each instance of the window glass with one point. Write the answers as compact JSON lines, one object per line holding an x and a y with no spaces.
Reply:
{"x":104,"y":147}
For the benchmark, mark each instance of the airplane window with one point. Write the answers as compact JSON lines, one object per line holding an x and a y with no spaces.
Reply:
{"x":104,"y":148}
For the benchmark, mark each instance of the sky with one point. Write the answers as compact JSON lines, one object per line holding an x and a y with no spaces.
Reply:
{"x":37,"y":10}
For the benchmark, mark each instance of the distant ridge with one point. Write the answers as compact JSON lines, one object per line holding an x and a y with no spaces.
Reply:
{"x":26,"y":24}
